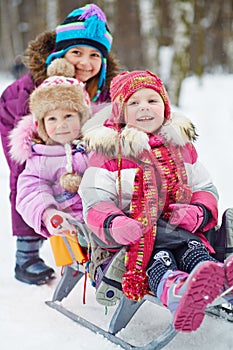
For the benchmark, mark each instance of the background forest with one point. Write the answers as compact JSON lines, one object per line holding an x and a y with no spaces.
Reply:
{"x":174,"y":39}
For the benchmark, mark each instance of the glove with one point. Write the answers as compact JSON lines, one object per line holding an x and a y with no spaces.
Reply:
{"x":125,"y":230}
{"x":187,"y":216}
{"x":57,"y":222}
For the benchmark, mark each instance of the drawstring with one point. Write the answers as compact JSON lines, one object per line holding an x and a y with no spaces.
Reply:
{"x":85,"y":287}
{"x":119,"y":167}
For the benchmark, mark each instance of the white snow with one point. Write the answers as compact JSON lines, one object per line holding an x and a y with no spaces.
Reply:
{"x":26,"y":322}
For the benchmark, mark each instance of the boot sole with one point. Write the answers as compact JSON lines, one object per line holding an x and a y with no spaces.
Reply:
{"x":229,"y":270}
{"x":228,"y":218}
{"x":109,"y":291}
{"x":34,"y":279}
{"x":205,"y":284}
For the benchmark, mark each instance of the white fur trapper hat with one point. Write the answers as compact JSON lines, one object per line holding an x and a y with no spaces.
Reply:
{"x":59,"y":90}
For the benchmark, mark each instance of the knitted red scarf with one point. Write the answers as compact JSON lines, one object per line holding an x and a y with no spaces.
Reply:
{"x":160,"y":180}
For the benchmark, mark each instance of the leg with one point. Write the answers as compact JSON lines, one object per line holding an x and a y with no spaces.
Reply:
{"x":29,"y":267}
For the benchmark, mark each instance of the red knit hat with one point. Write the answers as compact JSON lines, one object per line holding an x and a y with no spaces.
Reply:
{"x":126,"y":84}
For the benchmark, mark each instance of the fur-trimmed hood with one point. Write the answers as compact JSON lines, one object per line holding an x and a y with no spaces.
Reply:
{"x":39,"y":49}
{"x":179,"y":130}
{"x":20,"y":139}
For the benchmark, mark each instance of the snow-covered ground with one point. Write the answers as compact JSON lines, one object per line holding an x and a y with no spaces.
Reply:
{"x":26,"y":322}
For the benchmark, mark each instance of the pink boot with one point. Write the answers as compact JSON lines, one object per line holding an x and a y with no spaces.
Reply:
{"x":188,"y":295}
{"x":228,"y":268}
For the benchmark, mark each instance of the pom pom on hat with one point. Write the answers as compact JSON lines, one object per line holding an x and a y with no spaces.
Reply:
{"x":85,"y":26}
{"x":61,"y":66}
{"x":70,"y":180}
{"x":126,"y":84}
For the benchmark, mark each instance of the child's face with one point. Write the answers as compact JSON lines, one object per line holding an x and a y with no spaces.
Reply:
{"x":86,"y":60}
{"x":62,"y":125}
{"x":144,"y":110}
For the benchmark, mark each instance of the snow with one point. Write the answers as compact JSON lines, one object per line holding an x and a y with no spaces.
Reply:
{"x":26,"y":322}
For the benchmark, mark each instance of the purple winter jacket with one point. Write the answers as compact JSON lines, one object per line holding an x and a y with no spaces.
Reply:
{"x":13,"y":105}
{"x":39,"y":186}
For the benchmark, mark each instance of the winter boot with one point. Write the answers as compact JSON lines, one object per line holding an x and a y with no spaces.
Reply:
{"x":187,"y":295}
{"x":108,"y":280}
{"x":225,"y":310}
{"x":226,"y":232}
{"x":29,"y":267}
{"x":228,"y":268}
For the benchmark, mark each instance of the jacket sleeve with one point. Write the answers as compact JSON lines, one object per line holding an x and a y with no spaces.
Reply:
{"x":200,"y":181}
{"x":14,"y":105}
{"x":98,"y":191}
{"x":34,"y":195}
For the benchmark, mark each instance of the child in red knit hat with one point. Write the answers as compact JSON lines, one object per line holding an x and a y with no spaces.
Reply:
{"x":146,"y":190}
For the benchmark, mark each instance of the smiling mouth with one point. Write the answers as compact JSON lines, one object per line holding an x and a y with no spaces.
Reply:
{"x":142,"y":119}
{"x":62,"y":133}
{"x":83,"y":70}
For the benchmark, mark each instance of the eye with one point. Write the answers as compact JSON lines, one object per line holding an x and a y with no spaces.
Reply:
{"x":51,"y":119}
{"x":132,"y":103}
{"x":67,"y":116}
{"x":96,"y":55}
{"x":76,"y":52}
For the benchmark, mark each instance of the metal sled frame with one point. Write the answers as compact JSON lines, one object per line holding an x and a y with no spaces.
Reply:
{"x":124,"y":312}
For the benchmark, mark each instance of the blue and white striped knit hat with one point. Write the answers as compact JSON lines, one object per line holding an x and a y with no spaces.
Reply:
{"x":84,"y":26}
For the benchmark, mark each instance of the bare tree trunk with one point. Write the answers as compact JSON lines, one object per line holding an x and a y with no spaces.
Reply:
{"x":149,"y":33}
{"x":11,"y":39}
{"x":197,"y":59}
{"x":183,"y":18}
{"x":128,"y":42}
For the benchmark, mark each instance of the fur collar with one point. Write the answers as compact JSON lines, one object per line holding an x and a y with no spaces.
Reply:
{"x":178,"y":131}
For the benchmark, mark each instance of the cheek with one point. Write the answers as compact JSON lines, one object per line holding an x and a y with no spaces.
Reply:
{"x":97,"y":65}
{"x":75,"y":130}
{"x":50,"y":129}
{"x":160,"y":110}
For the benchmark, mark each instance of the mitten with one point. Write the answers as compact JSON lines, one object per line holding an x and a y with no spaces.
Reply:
{"x":187,"y":216}
{"x":57,"y":222}
{"x":125,"y":230}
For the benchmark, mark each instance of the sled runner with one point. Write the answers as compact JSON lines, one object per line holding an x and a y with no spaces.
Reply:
{"x":124,"y":311}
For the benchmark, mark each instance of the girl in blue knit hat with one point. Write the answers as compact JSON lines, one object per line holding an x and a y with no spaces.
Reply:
{"x":84,"y":40}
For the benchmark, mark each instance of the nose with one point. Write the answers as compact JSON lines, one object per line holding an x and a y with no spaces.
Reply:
{"x":62,"y":125}
{"x":144,"y":107}
{"x":83,"y":60}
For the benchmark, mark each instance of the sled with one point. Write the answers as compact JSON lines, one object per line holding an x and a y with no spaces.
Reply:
{"x":124,"y":310}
